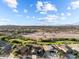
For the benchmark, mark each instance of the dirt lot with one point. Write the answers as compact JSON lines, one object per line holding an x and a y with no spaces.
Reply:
{"x":44,"y":35}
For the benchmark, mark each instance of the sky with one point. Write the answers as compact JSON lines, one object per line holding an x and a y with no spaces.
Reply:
{"x":39,"y":12}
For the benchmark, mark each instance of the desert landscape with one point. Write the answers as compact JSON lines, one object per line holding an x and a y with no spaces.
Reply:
{"x":40,"y":42}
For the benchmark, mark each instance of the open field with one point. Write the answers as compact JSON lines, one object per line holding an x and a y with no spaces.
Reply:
{"x":48,"y":35}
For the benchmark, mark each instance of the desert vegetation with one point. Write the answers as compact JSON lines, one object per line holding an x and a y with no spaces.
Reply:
{"x":13,"y":41}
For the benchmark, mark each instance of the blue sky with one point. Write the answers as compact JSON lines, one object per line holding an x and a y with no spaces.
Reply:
{"x":39,"y":12}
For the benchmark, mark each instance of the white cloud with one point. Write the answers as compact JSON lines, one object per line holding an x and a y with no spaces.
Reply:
{"x":27,"y":17}
{"x":31,"y":5}
{"x":49,"y":18}
{"x":63,"y":17}
{"x":49,"y":7}
{"x":75,"y":4}
{"x":68,"y":14}
{"x":15,"y":10}
{"x":52,"y":18}
{"x":68,"y":8}
{"x":8,"y":23}
{"x":39,"y":5}
{"x":25,"y":10}
{"x":41,"y":12}
{"x":20,"y":15}
{"x":12,"y":4}
{"x":62,"y":14}
{"x":4,"y":21}
{"x":33,"y":17}
{"x":45,"y":6}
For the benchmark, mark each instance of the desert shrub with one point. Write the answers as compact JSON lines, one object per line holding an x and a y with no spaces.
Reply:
{"x":4,"y":39}
{"x":73,"y":39}
{"x":16,"y":41}
{"x":60,"y":39}
{"x":47,"y":40}
{"x":65,"y":39}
